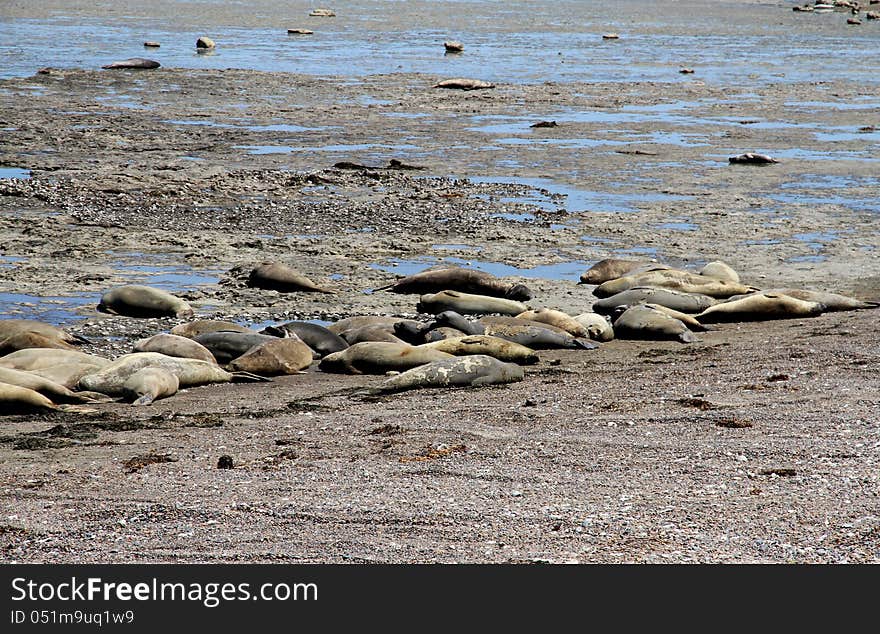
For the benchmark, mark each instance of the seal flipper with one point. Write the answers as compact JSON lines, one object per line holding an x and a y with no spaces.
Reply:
{"x":584,"y":344}
{"x":146,"y":399}
{"x":248,"y":377}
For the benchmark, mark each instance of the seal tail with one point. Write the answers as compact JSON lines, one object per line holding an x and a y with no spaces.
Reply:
{"x":249,"y":377}
{"x":384,"y":288}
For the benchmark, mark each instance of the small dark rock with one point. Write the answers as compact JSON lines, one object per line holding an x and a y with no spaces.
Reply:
{"x":225,"y":462}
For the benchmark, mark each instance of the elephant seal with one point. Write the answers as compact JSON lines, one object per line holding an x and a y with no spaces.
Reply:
{"x":677,"y":300}
{"x":370,"y":332}
{"x":470,"y":371}
{"x":150,"y":384}
{"x":198,"y":327}
{"x":720,"y":271}
{"x":598,"y":327}
{"x":452,"y":319}
{"x":278,"y":356}
{"x":10,"y":327}
{"x":322,"y":13}
{"x":135,"y":300}
{"x":643,"y":322}
{"x":500,"y":349}
{"x":459,"y":279}
{"x":674,"y":279}
{"x":350,"y":323}
{"x":40,"y":358}
{"x":189,"y":372}
{"x":175,"y":346}
{"x":226,"y":345}
{"x":378,"y":357}
{"x":752,"y":158}
{"x":610,"y":269}
{"x":832,"y":301}
{"x":50,"y":389}
{"x":442,"y":332}
{"x":300,"y":32}
{"x":463,"y":84}
{"x":25,"y":339}
{"x":556,"y":318}
{"x":453,"y":46}
{"x":279,"y":277}
{"x":759,"y":307}
{"x":315,"y":336}
{"x":135,"y":63}
{"x":205,"y":43}
{"x":15,"y":399}
{"x":533,"y":334}
{"x":468,"y":304}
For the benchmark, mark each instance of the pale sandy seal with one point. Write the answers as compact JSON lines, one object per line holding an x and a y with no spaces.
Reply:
{"x":598,"y":327}
{"x":464,"y":84}
{"x":610,"y":269}
{"x":174,"y":346}
{"x":379,"y":357}
{"x":282,"y":278}
{"x":26,"y":339}
{"x":461,"y":280}
{"x":150,"y":384}
{"x":720,"y":271}
{"x":644,"y":322}
{"x":674,"y":279}
{"x":189,"y":372}
{"x":205,"y":43}
{"x":556,"y":318}
{"x":39,"y":358}
{"x":350,"y":323}
{"x":501,"y":349}
{"x":67,"y":374}
{"x":677,"y":300}
{"x":442,"y":332}
{"x":322,"y":13}
{"x":135,"y":300}
{"x":198,"y":327}
{"x":14,"y":326}
{"x":134,"y":63}
{"x":278,"y":356}
{"x":226,"y":345}
{"x":315,"y":336}
{"x":468,"y":304}
{"x":50,"y":389}
{"x":832,"y":301}
{"x":15,"y":399}
{"x":533,"y":334}
{"x":469,"y":371}
{"x":759,"y":307}
{"x":752,"y":158}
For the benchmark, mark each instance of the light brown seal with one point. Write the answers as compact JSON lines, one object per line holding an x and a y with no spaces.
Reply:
{"x":174,"y":346}
{"x":832,"y":301}
{"x":378,"y":357}
{"x":677,"y":300}
{"x":556,"y":318}
{"x":720,"y":271}
{"x":752,"y":158}
{"x":14,"y":326}
{"x":193,"y":329}
{"x":136,"y":300}
{"x":50,"y":389}
{"x":278,"y":356}
{"x":282,"y":278}
{"x":26,"y":339}
{"x":134,"y":63}
{"x":759,"y":307}
{"x":468,"y":304}
{"x":205,"y":43}
{"x":39,"y":358}
{"x":598,"y":327}
{"x":611,"y":268}
{"x":456,"y":278}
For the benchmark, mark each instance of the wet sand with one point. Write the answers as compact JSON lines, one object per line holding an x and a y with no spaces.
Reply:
{"x":756,"y":444}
